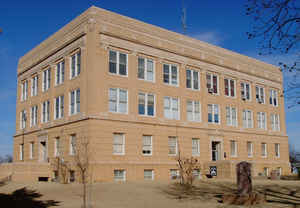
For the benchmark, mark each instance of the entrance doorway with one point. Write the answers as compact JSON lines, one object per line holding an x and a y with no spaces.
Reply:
{"x":43,"y":151}
{"x":215,"y":150}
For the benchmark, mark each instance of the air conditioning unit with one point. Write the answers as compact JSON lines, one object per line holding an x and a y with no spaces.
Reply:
{"x":243,"y":97}
{"x":260,"y":101}
{"x":210,"y":90}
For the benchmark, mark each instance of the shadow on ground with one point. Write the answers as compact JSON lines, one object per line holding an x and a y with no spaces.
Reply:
{"x":276,"y":195}
{"x":25,"y":198}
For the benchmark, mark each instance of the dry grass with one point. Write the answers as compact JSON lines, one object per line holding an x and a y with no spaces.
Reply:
{"x":205,"y":194}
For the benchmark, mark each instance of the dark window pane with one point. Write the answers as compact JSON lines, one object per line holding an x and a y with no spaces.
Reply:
{"x":141,"y":109}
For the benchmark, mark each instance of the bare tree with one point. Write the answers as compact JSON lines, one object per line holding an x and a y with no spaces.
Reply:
{"x":6,"y":159}
{"x":82,"y":156}
{"x":62,"y":169}
{"x":276,"y":24}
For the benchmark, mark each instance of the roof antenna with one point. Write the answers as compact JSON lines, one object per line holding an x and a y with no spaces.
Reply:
{"x":183,"y":18}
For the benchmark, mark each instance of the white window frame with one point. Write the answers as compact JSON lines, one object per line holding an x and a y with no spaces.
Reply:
{"x":262,"y":120}
{"x":45,"y":118}
{"x":118,"y":63}
{"x":197,"y":147}
{"x":171,"y":108}
{"x":123,"y":175}
{"x":21,"y":152}
{"x":251,"y":149}
{"x":60,"y":74}
{"x":31,"y":150}
{"x":33,"y":115}
{"x":273,"y":97}
{"x":23,"y":119}
{"x":211,"y":75}
{"x":231,"y":121}
{"x":264,"y":154}
{"x":24,"y":90}
{"x":73,"y":141}
{"x":233,"y":152}
{"x":60,"y":107}
{"x":246,"y":123}
{"x":176,"y":145}
{"x":146,"y":95}
{"x":144,"y":147}
{"x":76,"y":104}
{"x":118,"y":100}
{"x":229,"y":87}
{"x":275,"y":126}
{"x":260,"y":95}
{"x":34,"y":85}
{"x":152,"y":174}
{"x":170,"y":75}
{"x":46,"y":82}
{"x":266,"y":171}
{"x":214,"y":107}
{"x":193,"y":112}
{"x":122,"y":145}
{"x":244,"y":89}
{"x":57,"y":147}
{"x":77,"y":63}
{"x":146,"y":70}
{"x":277,"y":150}
{"x":192,"y":79}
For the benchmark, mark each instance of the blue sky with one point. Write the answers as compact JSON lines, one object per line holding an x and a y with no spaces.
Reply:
{"x":25,"y":24}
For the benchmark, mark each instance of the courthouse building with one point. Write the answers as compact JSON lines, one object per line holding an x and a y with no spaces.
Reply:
{"x":139,"y":94}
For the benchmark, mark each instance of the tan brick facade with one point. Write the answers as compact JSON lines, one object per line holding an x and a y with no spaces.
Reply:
{"x":94,"y":34}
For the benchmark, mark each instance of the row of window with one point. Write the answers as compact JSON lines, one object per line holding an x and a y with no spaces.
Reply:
{"x":75,"y":68}
{"x":118,"y":64}
{"x":147,"y":147}
{"x":74,"y":108}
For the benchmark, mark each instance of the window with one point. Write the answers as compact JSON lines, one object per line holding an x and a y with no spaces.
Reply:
{"x":172,"y":145}
{"x":46,"y":79}
{"x":261,"y":120}
{"x":21,"y":149}
{"x":146,"y":69}
{"x":24,"y":90}
{"x":266,"y":171}
{"x":213,"y":113}
{"x":233,"y":148}
{"x":263,"y":149}
{"x":34,"y":85}
{"x":277,"y":150}
{"x":146,"y":104}
{"x":171,"y":75}
{"x":260,"y":94}
{"x":231,"y":116}
{"x":174,"y":174}
{"x":273,"y":97}
{"x":147,"y":145}
{"x":59,"y":107}
{"x":75,"y":102}
{"x":23,"y":119}
{"x":193,"y":111}
{"x":118,"y":63}
{"x":148,"y":174}
{"x":229,"y":87}
{"x":33,"y":116}
{"x":245,"y":91}
{"x":31,"y":150}
{"x":250,"y":149}
{"x":118,"y":100}
{"x":46,"y":111}
{"x":195,"y":147}
{"x":119,"y":175}
{"x":247,"y":119}
{"x":279,"y":171}
{"x":275,"y":125}
{"x":171,"y":108}
{"x":75,"y":65}
{"x":73,"y":144}
{"x":119,"y":144}
{"x":60,"y":73}
{"x":212,"y":83}
{"x":192,"y":79}
{"x":57,"y":147}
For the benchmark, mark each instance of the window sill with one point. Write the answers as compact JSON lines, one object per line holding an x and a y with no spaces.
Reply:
{"x":149,"y":155}
{"x":118,"y":75}
{"x":150,"y":81}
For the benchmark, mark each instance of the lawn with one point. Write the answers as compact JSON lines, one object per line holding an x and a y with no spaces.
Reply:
{"x":205,"y":194}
